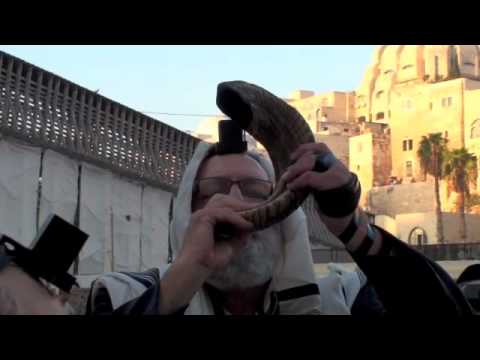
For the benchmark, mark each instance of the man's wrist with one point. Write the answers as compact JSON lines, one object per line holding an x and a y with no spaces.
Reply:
{"x":336,"y":225}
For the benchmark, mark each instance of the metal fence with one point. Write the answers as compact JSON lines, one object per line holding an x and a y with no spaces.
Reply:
{"x":438,"y":252}
{"x":46,"y":110}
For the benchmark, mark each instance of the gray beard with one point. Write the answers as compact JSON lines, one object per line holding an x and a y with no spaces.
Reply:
{"x":254,"y":265}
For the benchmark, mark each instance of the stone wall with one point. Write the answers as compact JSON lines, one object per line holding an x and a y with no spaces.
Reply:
{"x":402,"y":198}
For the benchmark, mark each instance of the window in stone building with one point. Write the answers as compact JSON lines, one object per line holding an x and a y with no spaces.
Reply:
{"x":380,"y":116}
{"x":408,"y":104}
{"x":418,"y":236}
{"x":405,"y":67}
{"x":431,"y":105}
{"x":379,"y":94}
{"x":362,"y":119}
{"x":407,"y":145}
{"x":358,"y":167}
{"x":389,"y":114}
{"x":437,"y":67}
{"x":468,"y":64}
{"x":447,"y":102}
{"x":408,"y":169}
{"x":475,"y":130}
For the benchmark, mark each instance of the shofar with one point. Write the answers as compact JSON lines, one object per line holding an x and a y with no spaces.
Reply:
{"x":280,"y":129}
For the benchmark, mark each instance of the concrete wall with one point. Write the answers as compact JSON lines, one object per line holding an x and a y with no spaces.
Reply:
{"x":127,"y":221}
{"x":337,"y":106}
{"x":361,"y":155}
{"x":402,"y":225}
{"x":388,"y":223}
{"x":402,"y":198}
{"x":405,"y":223}
{"x":382,"y":159}
{"x":338,"y":144}
{"x":416,"y":111}
{"x":452,"y":224}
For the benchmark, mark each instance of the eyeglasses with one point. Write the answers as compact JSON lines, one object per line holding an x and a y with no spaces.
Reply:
{"x":252,"y":189}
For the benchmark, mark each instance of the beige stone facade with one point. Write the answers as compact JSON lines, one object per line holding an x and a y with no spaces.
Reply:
{"x":407,"y":92}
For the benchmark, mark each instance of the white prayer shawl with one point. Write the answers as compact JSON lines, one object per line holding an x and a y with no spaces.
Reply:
{"x":295,"y":270}
{"x":339,"y":289}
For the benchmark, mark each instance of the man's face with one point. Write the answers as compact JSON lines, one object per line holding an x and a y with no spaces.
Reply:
{"x":22,"y":295}
{"x":254,"y":265}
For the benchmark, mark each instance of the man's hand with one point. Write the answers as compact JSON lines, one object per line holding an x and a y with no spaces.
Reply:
{"x":200,"y":246}
{"x":201,"y":254}
{"x":301,"y":175}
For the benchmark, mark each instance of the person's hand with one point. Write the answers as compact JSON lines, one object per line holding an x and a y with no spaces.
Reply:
{"x":302,"y":176}
{"x":200,"y":246}
{"x":201,"y":253}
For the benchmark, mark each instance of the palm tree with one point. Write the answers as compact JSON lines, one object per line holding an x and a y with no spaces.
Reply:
{"x":460,"y":170}
{"x":430,"y":152}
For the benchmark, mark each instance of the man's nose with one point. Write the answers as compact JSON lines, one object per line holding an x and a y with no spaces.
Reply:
{"x":236,"y":192}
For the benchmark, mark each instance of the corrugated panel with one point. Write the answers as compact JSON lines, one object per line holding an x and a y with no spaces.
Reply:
{"x":95,"y":219}
{"x":59,"y":187}
{"x":20,"y":166}
{"x":155,"y":218}
{"x":126,"y":211}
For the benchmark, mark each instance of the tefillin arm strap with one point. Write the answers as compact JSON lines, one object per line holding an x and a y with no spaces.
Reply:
{"x":341,"y":202}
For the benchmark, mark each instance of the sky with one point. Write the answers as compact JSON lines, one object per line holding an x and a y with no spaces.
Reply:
{"x":183,"y":79}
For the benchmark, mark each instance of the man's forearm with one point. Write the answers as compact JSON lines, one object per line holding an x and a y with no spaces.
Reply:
{"x":355,"y":232}
{"x":336,"y":225}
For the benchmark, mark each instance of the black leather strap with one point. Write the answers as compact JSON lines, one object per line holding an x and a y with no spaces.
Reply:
{"x":341,"y":201}
{"x":298,"y":292}
{"x":365,"y":246}
{"x":349,"y":231}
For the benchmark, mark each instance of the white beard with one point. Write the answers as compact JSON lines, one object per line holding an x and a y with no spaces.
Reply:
{"x":254,"y":265}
